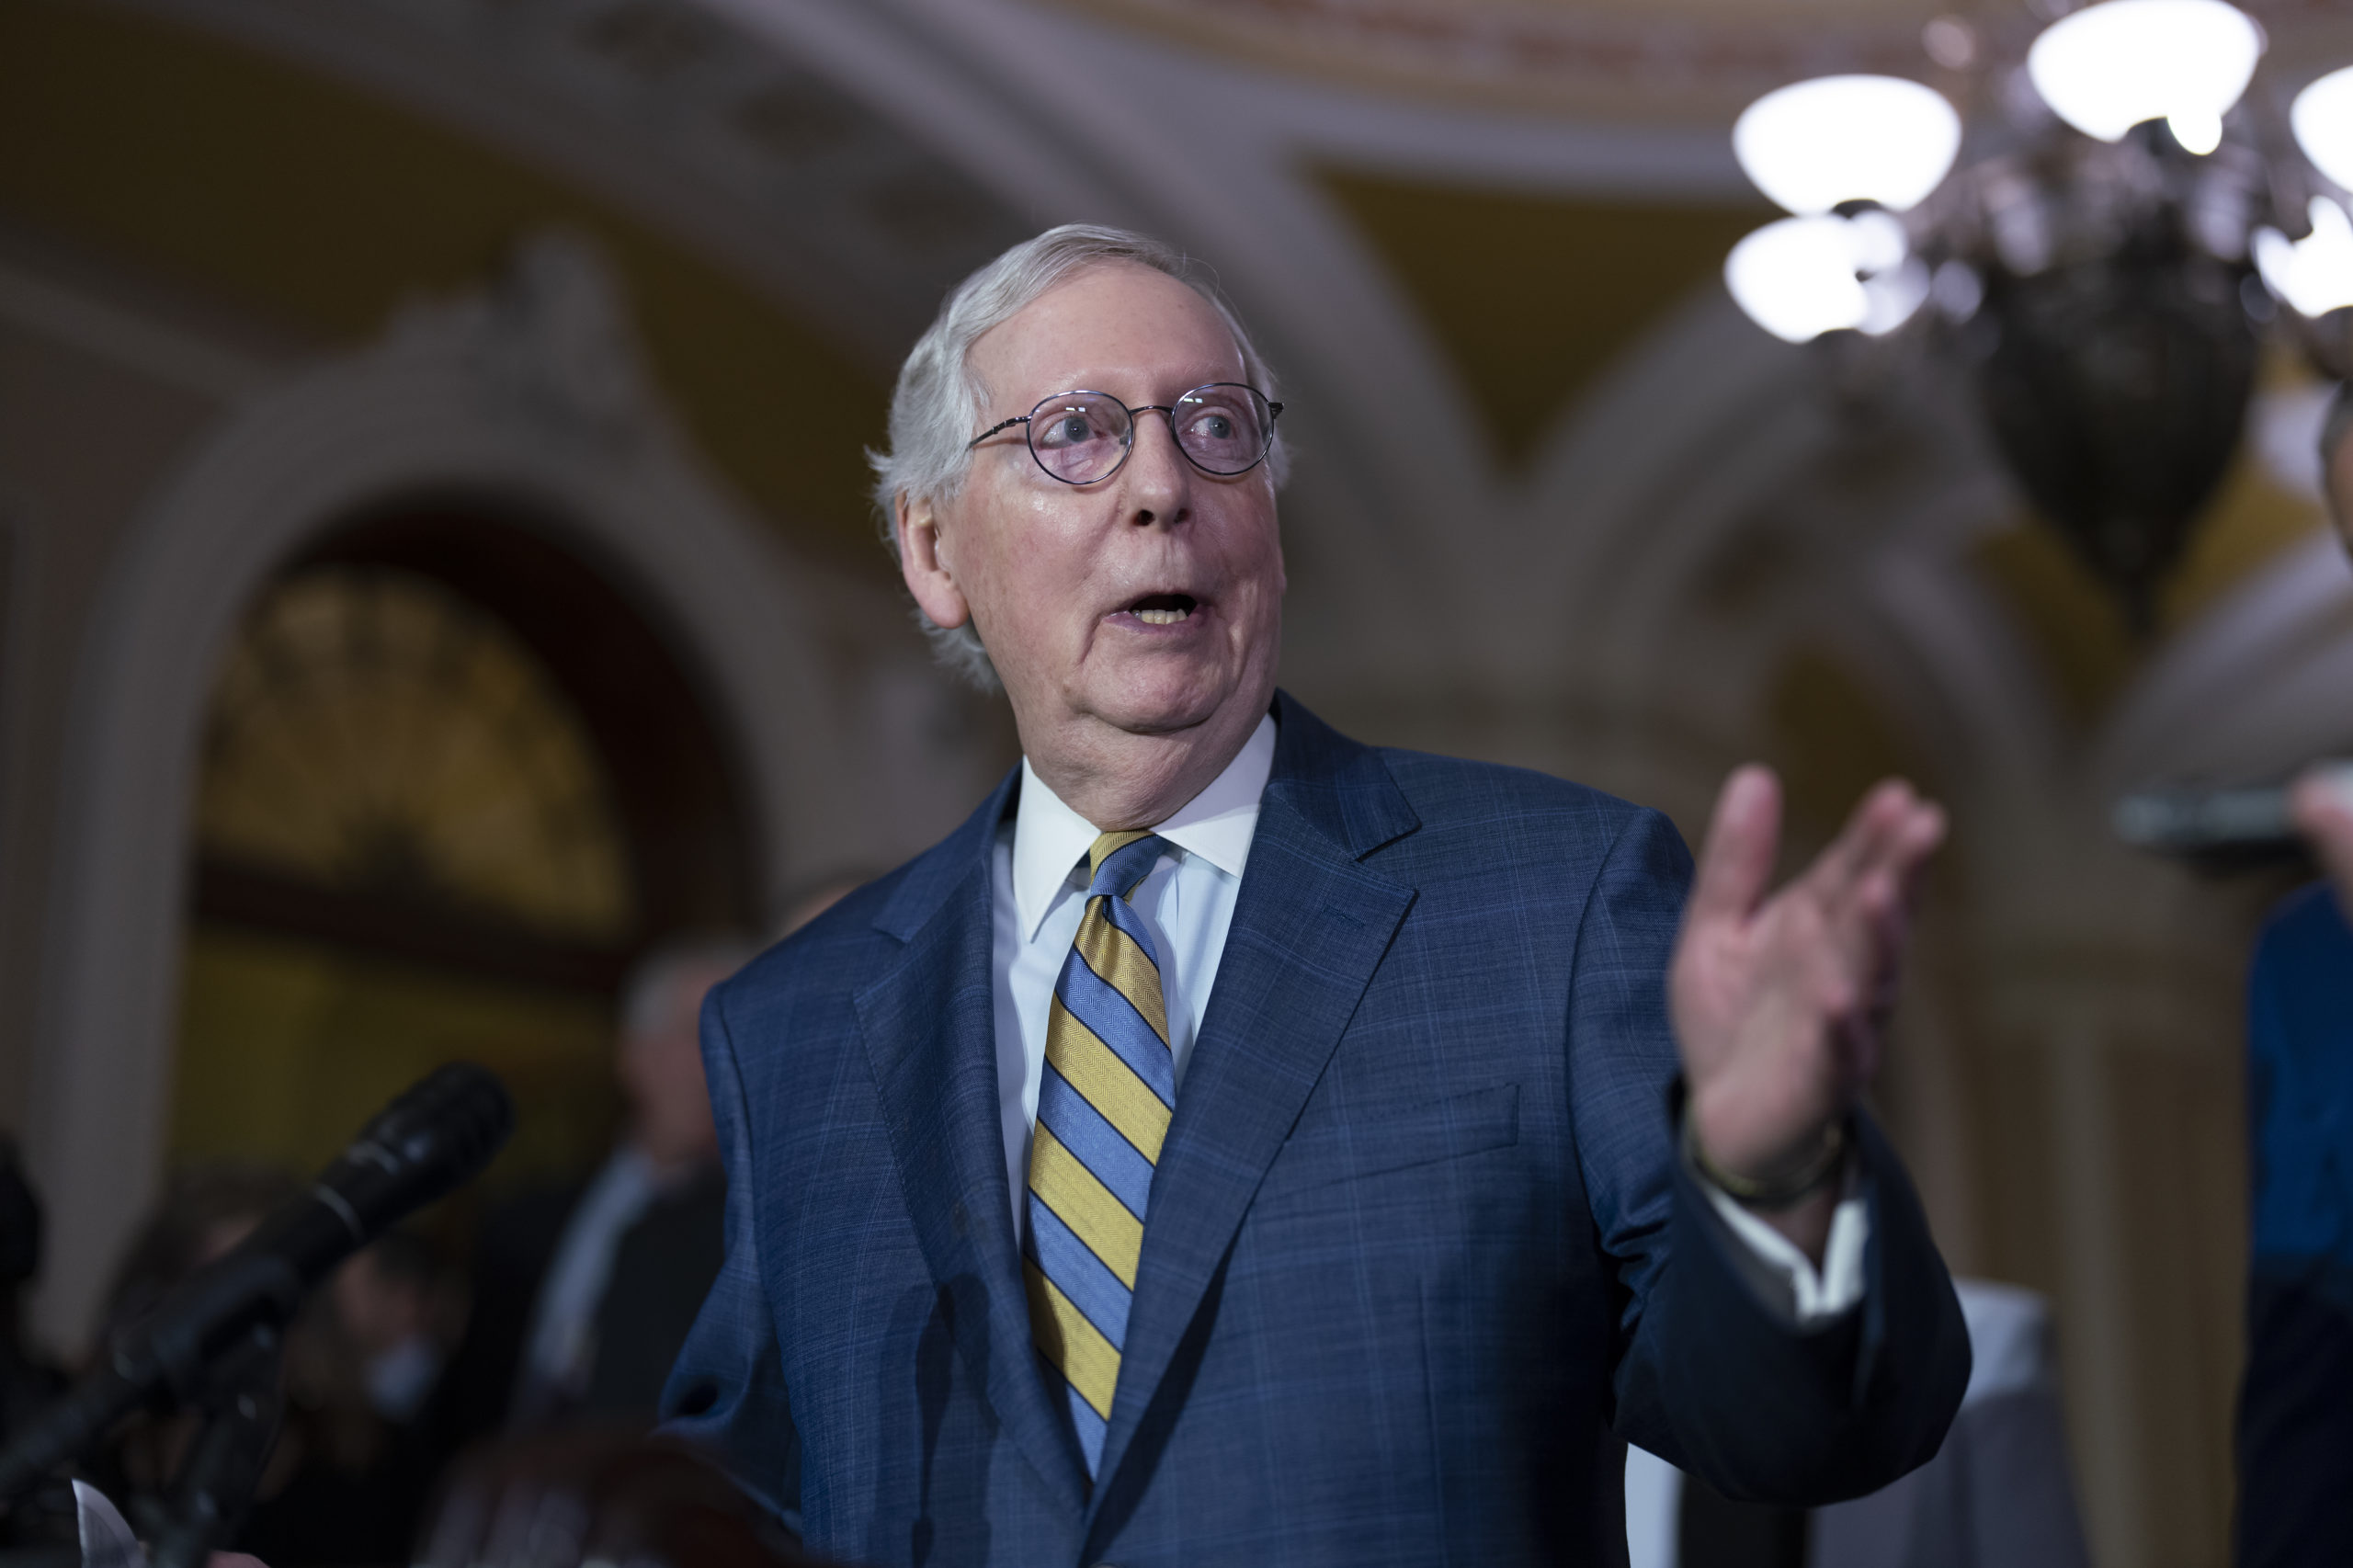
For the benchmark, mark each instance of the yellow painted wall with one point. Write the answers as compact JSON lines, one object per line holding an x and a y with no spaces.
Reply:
{"x":319,"y":205}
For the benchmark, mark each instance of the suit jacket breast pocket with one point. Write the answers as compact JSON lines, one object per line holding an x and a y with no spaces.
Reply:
{"x":1377,"y":1140}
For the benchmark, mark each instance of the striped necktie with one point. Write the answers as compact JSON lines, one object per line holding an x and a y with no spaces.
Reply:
{"x":1103,"y":1104}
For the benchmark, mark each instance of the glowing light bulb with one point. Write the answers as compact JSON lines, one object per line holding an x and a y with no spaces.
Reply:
{"x":2108,"y":67}
{"x":2314,"y":274}
{"x":1801,"y":277}
{"x":2196,"y":131}
{"x":1814,"y":144}
{"x":2322,"y":120}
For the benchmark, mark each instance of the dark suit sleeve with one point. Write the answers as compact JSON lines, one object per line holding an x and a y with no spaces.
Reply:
{"x":1712,"y":1375}
{"x":727,"y":1393}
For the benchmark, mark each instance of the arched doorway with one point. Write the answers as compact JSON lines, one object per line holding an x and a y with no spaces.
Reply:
{"x":452,"y":783}
{"x":528,"y":392}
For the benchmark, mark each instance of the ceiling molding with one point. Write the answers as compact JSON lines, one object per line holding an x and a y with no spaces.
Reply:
{"x":1657,"y":63}
{"x":671,"y":109}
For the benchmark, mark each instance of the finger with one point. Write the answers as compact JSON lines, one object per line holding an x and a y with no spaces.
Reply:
{"x":1879,"y":932}
{"x":1743,"y":835}
{"x":1861,"y":895}
{"x":1891,"y":943}
{"x":1907,"y":848}
{"x":1893,"y":830}
{"x":1862,"y":920}
{"x":1854,"y":985}
{"x":1869,"y":917}
{"x":1863,"y":841}
{"x":1929,"y":829}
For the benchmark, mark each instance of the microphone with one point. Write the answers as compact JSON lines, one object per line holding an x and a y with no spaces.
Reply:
{"x":429,"y":1141}
{"x":2244,"y":826}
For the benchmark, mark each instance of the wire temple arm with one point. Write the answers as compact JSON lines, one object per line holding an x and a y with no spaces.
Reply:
{"x":1000,"y":425}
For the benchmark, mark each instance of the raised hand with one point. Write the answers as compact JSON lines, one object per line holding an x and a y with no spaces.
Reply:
{"x":2322,"y":805}
{"x":1779,"y":1000}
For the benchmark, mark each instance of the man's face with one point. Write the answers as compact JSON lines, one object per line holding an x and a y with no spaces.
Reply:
{"x":1150,"y":601}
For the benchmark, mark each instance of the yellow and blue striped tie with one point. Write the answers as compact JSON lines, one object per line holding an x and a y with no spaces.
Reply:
{"x":1103,"y":1104}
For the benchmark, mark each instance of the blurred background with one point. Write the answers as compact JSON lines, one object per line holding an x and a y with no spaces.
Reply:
{"x":436,"y":573}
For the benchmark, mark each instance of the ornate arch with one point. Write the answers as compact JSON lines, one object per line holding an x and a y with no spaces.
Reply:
{"x":531,"y":391}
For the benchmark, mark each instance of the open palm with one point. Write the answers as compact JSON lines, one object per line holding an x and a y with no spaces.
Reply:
{"x":1780,"y":998}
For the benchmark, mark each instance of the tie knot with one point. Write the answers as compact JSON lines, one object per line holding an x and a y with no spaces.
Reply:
{"x":1117,"y":861}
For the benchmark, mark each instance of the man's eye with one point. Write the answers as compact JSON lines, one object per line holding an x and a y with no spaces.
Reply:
{"x":1213,"y":428}
{"x":1070,"y":430}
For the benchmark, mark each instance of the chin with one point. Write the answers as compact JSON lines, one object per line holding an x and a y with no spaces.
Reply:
{"x":1164,"y":703}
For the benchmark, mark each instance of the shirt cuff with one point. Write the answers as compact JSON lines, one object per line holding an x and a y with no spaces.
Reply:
{"x":1815,"y":1294}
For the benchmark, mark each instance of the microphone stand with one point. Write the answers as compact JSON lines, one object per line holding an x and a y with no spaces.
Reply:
{"x":241,"y":1400}
{"x":214,"y":1344}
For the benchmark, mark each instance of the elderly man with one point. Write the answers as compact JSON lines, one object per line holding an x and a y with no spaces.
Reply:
{"x":1237,"y":1144}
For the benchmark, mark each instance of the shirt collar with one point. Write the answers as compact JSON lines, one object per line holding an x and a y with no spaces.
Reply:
{"x":1050,"y":839}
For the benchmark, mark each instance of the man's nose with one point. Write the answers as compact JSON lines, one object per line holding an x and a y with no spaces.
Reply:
{"x":1158,"y":474}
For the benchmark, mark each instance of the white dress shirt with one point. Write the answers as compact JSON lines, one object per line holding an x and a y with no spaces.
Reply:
{"x":1039,"y":877}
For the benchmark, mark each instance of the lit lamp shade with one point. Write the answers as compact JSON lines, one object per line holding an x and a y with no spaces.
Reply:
{"x":1814,"y":144}
{"x":2108,"y":67}
{"x":2323,"y":117}
{"x":1801,"y":277}
{"x":2314,"y":274}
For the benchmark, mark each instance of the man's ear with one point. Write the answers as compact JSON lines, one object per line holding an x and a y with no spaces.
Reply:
{"x":920,"y":563}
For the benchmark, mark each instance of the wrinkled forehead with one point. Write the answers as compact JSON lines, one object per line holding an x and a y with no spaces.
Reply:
{"x":1116,"y":327}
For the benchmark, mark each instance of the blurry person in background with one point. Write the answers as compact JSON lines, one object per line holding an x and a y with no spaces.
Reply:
{"x":2295,"y":1420}
{"x":359,"y":1380}
{"x":354,"y":1463}
{"x":401,"y":1313}
{"x":205,"y":1211}
{"x":583,"y":1296}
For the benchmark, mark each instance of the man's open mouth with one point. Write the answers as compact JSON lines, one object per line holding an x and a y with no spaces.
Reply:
{"x":1163,"y":609}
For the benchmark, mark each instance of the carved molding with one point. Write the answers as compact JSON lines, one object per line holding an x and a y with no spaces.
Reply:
{"x":529,"y":391}
{"x":722,"y":135}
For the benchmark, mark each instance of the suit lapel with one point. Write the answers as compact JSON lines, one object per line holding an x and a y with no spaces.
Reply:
{"x":930,"y":1030}
{"x":1309,"y":929}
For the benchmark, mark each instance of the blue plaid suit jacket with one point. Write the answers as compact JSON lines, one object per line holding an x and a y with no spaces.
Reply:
{"x":1420,"y":1257}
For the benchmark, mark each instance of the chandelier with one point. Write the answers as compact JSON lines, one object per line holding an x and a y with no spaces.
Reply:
{"x":2103,"y":261}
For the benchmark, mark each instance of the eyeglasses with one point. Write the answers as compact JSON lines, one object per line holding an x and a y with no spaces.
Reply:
{"x":1081,"y":437}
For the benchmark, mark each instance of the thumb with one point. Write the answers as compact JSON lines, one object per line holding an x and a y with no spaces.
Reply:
{"x":1744,"y":836}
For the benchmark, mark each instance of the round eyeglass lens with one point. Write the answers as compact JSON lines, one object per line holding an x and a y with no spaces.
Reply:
{"x":1226,"y":428}
{"x":1080,"y":438}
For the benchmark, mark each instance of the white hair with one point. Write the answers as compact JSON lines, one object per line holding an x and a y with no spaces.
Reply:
{"x":939,"y":405}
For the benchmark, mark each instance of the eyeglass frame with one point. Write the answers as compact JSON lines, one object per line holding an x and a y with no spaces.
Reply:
{"x":1127,"y":447}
